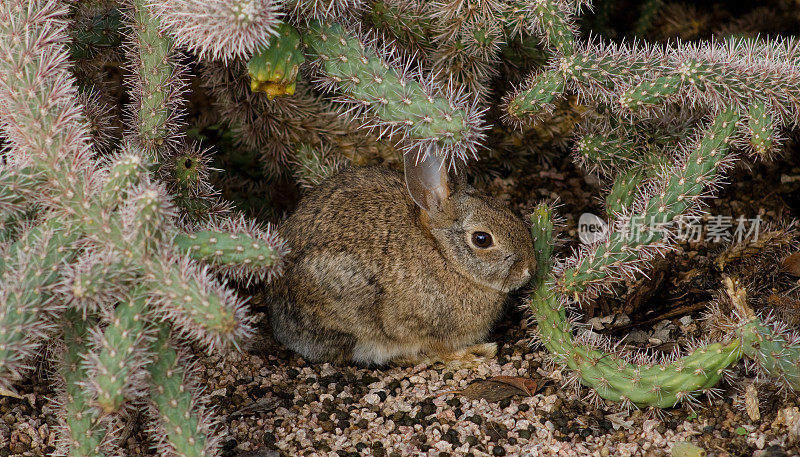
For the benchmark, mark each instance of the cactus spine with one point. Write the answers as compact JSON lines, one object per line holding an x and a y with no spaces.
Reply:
{"x":118,"y":360}
{"x":312,"y":166}
{"x":616,"y":379}
{"x":218,"y":29}
{"x":130,"y":262}
{"x":28,"y":275}
{"x":775,"y":351}
{"x":182,"y":428}
{"x":612,"y":376}
{"x":551,"y":20}
{"x":766,"y":342}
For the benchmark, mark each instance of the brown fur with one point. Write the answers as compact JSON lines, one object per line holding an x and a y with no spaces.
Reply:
{"x":372,"y":277}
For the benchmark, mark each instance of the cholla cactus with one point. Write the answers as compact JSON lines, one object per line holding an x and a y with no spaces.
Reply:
{"x":274,"y":69}
{"x":237,"y":248}
{"x":403,"y":21}
{"x":155,"y":82}
{"x":641,"y":81}
{"x":326,"y":10}
{"x":615,"y":375}
{"x":120,"y":225}
{"x":467,"y":36}
{"x":314,"y":166}
{"x":644,"y":230}
{"x":647,"y":98}
{"x":771,"y":346}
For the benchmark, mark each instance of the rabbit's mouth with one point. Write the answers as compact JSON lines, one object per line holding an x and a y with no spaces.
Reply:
{"x":521,"y":279}
{"x":518,"y":275}
{"x":512,"y":281}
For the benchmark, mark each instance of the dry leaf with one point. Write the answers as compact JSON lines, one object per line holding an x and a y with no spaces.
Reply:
{"x":751,"y":402}
{"x":260,"y":406}
{"x":617,"y":420}
{"x":263,"y":452}
{"x":791,"y":264}
{"x":497,"y":388}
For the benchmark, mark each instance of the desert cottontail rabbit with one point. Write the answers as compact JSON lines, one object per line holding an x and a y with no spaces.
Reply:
{"x":383,"y":268}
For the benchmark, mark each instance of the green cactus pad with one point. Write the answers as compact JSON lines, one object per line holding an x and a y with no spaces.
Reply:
{"x":657,"y":91}
{"x":760,"y":127}
{"x":544,"y":88}
{"x":156,"y":72}
{"x":86,"y":434}
{"x":542,"y":235}
{"x":605,"y":72}
{"x":624,"y":190}
{"x":314,"y":165}
{"x":273,"y":70}
{"x":650,"y":92}
{"x":606,"y":152}
{"x":89,"y":288}
{"x":181,"y":422}
{"x":101,"y":31}
{"x":546,"y":18}
{"x":28,"y":273}
{"x":660,"y":385}
{"x":16,"y":186}
{"x":119,"y":353}
{"x":11,"y":227}
{"x":219,"y":248}
{"x":403,"y":21}
{"x":196,"y":304}
{"x":552,"y":22}
{"x":187,"y":172}
{"x":148,"y":223}
{"x":774,"y":353}
{"x":124,"y":173}
{"x":399,"y":102}
{"x":582,"y":70}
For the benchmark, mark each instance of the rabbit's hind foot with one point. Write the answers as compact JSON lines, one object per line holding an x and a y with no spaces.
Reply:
{"x":468,"y":357}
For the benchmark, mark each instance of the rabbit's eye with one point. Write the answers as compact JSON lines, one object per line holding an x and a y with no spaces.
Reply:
{"x":481,"y":239}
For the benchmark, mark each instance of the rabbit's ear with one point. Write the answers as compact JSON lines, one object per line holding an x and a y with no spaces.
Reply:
{"x":427,"y":180}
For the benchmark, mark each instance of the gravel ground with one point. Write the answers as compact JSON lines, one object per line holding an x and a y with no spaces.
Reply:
{"x":273,"y":403}
{"x":325,"y":410}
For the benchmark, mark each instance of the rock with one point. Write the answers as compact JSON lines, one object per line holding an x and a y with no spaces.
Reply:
{"x":372,"y":399}
{"x":789,"y":418}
